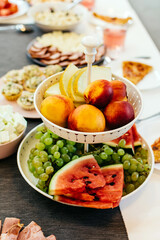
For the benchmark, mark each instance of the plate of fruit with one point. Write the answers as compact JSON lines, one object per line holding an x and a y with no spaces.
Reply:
{"x":108,"y":173}
{"x":12,"y":8}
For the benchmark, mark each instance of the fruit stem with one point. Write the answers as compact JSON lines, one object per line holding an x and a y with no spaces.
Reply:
{"x":86,"y":147}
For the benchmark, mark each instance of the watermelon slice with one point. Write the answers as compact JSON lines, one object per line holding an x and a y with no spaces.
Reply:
{"x":136,"y":137}
{"x":103,"y":197}
{"x":128,"y":137}
{"x":76,"y":176}
{"x":94,"y":204}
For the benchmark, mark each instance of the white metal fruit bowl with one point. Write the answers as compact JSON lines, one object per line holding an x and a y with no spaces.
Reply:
{"x":134,"y":97}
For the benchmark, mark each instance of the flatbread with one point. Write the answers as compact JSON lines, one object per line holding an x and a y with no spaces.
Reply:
{"x":156,"y":150}
{"x":114,"y":20}
{"x":135,"y":71}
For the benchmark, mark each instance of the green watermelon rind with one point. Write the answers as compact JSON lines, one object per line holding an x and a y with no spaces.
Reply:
{"x":113,"y":166}
{"x":53,"y":181}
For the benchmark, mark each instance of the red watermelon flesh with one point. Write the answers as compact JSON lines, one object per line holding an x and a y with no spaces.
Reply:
{"x":94,"y":204}
{"x":110,"y":193}
{"x":136,"y":137}
{"x":76,"y":176}
{"x":128,"y":137}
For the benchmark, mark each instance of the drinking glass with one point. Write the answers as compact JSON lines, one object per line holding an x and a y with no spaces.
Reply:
{"x":88,"y":4}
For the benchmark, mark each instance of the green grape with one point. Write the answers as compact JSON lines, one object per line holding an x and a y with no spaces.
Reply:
{"x":49,"y":170}
{"x":60,"y":143}
{"x":44,"y":177}
{"x":121,"y":152}
{"x":35,"y":174}
{"x":108,"y":151}
{"x":59,"y":162}
{"x":32,"y":150}
{"x":78,"y":152}
{"x":54,"y":149}
{"x":136,"y":184}
{"x":133,"y":161}
{"x":145,"y":161}
{"x":48,"y":141}
{"x":144,"y":153}
{"x":70,"y":154}
{"x":36,"y":162}
{"x":31,"y":155}
{"x":49,"y":149}
{"x":147,"y":167}
{"x":43,"y":156}
{"x":64,"y":150}
{"x":103,"y":155}
{"x":47,"y":164}
{"x":141,"y":179}
{"x":41,"y":129}
{"x":71,"y":148}
{"x":40,"y":170}
{"x":116,"y":157}
{"x":135,"y":176}
{"x":66,"y":157}
{"x":31,"y":167}
{"x":57,"y":155}
{"x":126,"y":157}
{"x":38,"y":135}
{"x":124,"y":193}
{"x":139,"y":160}
{"x":40,"y":146}
{"x":41,"y":183}
{"x":140,"y":167}
{"x":71,"y":142}
{"x":50,"y":157}
{"x":126,"y":165}
{"x":128,"y":179}
{"x":132,"y":168}
{"x":130,"y":188}
{"x":75,"y":157}
{"x":122,"y":143}
{"x":98,"y":159}
{"x":46,"y":135}
{"x":80,"y":146}
{"x":55,"y":136}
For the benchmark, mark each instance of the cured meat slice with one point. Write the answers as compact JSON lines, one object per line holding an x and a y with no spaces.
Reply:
{"x":52,"y":237}
{"x":12,"y":233}
{"x":9,"y":223}
{"x":31,"y":232}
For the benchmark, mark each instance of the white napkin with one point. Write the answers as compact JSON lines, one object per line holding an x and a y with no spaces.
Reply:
{"x":141,"y":212}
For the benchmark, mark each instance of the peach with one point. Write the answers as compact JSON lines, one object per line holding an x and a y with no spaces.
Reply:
{"x":99,"y":93}
{"x":86,"y":118}
{"x":119,"y":90}
{"x":118,"y":114}
{"x":56,"y":108}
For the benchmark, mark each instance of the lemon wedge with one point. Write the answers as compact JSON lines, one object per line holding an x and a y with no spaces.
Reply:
{"x":67,"y":74}
{"x":53,"y":89}
{"x":80,"y":83}
{"x":75,"y":98}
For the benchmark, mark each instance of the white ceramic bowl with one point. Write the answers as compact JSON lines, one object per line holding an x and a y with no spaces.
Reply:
{"x":58,"y":6}
{"x":7,"y":149}
{"x":29,"y":142}
{"x":134,"y":97}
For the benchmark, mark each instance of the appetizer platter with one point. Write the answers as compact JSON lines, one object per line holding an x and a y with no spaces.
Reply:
{"x":11,"y":8}
{"x":142,"y":72}
{"x":61,"y":48}
{"x":18,"y":87}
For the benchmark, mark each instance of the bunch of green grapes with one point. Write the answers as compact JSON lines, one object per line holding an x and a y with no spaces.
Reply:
{"x":136,"y":166}
{"x":50,"y":154}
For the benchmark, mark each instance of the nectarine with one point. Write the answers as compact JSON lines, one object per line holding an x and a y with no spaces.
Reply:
{"x":118,"y":114}
{"x":86,"y":118}
{"x":99,"y":93}
{"x":57,"y":108}
{"x":119,"y":90}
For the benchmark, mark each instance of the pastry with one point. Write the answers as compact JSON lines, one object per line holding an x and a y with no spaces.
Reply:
{"x":156,"y":150}
{"x":12,"y":91}
{"x":26,"y":100}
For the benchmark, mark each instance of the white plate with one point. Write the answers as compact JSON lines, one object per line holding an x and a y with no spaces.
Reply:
{"x":58,"y":6}
{"x":29,"y":142}
{"x":22,"y":9}
{"x":150,"y":130}
{"x":150,"y":81}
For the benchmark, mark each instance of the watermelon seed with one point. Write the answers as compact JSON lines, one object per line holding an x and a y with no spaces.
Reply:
{"x":85,"y":177}
{"x":95,"y":174}
{"x":72,"y":180}
{"x":112,"y":183}
{"x":87,"y":182}
{"x":114,"y":175}
{"x":96,"y":198}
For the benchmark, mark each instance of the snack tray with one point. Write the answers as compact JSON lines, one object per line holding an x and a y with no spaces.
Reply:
{"x":134,"y":97}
